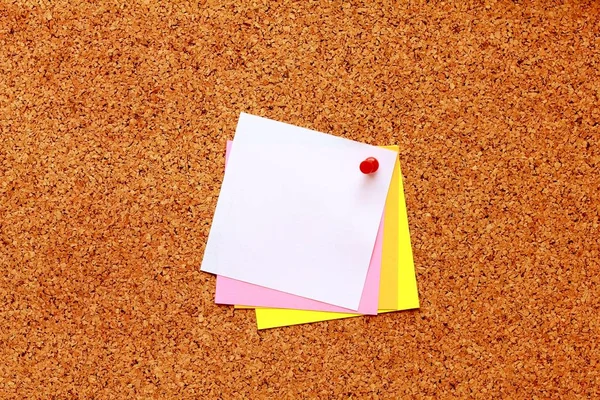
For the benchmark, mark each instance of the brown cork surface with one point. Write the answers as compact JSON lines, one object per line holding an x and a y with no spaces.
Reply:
{"x":113,"y":123}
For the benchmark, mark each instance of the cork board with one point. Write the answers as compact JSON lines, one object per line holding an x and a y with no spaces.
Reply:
{"x":113,"y":122}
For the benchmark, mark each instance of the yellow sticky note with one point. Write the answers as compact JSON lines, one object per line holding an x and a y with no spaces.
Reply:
{"x":406,"y":293}
{"x":388,"y":282}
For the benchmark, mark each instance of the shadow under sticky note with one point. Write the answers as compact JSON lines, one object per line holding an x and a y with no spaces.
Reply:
{"x":404,"y":278}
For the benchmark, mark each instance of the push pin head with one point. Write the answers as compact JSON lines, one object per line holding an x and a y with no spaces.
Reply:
{"x":369,"y":166}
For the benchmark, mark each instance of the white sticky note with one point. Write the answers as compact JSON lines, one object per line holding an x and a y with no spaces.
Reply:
{"x":295,"y":213}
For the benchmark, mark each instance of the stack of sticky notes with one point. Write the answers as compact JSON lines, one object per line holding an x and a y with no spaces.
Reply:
{"x":303,"y":233}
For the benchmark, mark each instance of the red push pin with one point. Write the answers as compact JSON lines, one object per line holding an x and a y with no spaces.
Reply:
{"x":369,"y":166}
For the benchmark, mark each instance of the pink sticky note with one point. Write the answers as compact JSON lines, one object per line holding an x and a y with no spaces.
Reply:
{"x":231,"y":291}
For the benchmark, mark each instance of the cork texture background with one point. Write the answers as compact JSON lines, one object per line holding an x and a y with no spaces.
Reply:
{"x":113,"y":123}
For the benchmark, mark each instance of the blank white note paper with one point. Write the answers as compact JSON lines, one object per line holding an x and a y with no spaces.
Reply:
{"x":295,"y":213}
